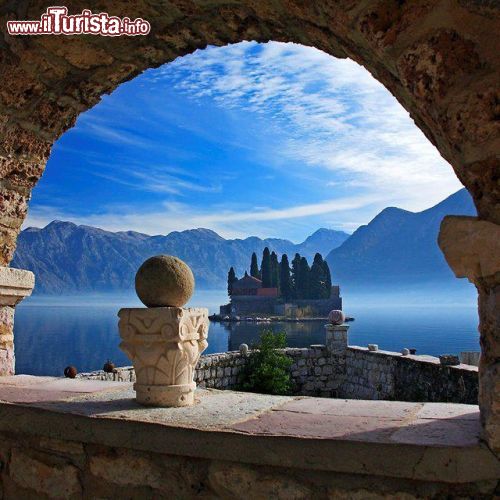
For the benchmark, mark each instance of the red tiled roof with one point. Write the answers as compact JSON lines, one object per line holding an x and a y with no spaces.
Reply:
{"x":248,"y":282}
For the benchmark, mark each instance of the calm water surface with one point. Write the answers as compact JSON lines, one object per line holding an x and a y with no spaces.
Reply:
{"x":51,"y":333}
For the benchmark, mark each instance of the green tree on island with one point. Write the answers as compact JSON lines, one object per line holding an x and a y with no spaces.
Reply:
{"x":299,"y":282}
{"x":303,"y":282}
{"x":285,"y":279}
{"x":231,"y":279}
{"x":275,"y":271}
{"x":254,"y":267}
{"x":328,"y":280}
{"x":317,"y":278}
{"x":295,"y":276}
{"x":266,"y":268}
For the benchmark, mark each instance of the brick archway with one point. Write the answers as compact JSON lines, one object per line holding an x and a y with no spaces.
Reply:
{"x":439,"y":58}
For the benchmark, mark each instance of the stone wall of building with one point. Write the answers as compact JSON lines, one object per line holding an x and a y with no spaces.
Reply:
{"x":248,"y":305}
{"x":321,"y":307}
{"x":338,"y":370}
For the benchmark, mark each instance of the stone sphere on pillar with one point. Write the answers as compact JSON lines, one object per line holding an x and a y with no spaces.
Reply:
{"x":336,"y":317}
{"x":164,"y":281}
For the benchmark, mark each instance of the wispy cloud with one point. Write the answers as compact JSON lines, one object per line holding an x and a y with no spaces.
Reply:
{"x":156,"y":179}
{"x":174,"y":216}
{"x":338,"y":118}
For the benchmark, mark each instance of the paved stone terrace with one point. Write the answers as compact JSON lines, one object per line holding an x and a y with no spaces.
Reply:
{"x":430,"y":442}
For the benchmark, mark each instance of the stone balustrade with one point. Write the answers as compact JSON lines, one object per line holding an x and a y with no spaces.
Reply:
{"x":338,"y":370}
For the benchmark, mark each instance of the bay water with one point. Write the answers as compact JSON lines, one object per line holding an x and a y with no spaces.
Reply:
{"x":53,"y":332}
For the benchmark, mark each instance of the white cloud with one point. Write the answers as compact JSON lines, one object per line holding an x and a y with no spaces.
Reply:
{"x":174,"y":216}
{"x":338,"y":118}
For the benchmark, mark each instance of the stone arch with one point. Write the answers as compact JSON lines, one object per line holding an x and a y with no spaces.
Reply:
{"x":439,"y":58}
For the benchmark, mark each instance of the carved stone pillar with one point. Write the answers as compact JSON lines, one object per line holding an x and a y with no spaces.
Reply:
{"x":15,"y":284}
{"x":472,"y":249}
{"x":164,"y":344}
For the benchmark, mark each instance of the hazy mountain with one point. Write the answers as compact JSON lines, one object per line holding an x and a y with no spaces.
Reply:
{"x":398,"y":246}
{"x":70,"y":258}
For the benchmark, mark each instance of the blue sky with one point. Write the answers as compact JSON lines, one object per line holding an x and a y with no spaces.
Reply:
{"x":250,"y":139}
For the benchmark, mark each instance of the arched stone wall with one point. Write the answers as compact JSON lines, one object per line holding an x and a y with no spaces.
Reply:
{"x":440,"y":59}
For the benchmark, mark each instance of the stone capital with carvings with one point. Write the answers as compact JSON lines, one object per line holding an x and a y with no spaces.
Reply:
{"x":164,"y":344}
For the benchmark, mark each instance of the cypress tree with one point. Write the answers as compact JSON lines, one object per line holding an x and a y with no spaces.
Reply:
{"x":231,"y":279}
{"x":328,"y":280}
{"x":295,"y":276}
{"x":317,"y":282}
{"x":266,"y":268}
{"x":254,"y":267}
{"x":275,"y":271}
{"x":285,"y":279}
{"x":303,"y":288}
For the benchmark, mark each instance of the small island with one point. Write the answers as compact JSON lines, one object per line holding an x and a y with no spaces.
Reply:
{"x":278,"y":290}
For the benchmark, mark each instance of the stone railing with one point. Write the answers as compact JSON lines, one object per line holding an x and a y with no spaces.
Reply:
{"x":338,"y":370}
{"x":389,"y":375}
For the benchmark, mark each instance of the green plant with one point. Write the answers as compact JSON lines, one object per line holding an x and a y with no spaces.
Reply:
{"x":268,"y":370}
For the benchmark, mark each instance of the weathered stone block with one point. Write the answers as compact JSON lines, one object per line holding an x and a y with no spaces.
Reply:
{"x":55,"y":481}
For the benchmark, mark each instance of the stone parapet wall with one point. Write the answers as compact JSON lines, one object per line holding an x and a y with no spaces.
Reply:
{"x":332,"y":371}
{"x":220,"y":371}
{"x":36,"y":466}
{"x":391,"y":376}
{"x":121,"y":374}
{"x":315,"y":372}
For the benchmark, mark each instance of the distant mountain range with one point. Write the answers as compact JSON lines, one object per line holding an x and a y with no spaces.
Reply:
{"x":67,"y":258}
{"x":397,"y":247}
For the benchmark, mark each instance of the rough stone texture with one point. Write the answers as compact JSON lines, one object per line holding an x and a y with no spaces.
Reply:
{"x":392,"y":376}
{"x":164,"y":344}
{"x":51,"y":477}
{"x":119,"y":472}
{"x":15,"y":284}
{"x":164,"y":281}
{"x":439,"y":58}
{"x":80,"y":439}
{"x":472,"y":249}
{"x":7,"y":358}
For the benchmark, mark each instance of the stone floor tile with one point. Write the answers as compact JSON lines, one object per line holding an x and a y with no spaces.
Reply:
{"x":448,"y":410}
{"x":439,"y":432}
{"x":354,"y":407}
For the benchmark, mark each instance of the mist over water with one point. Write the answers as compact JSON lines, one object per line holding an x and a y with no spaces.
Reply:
{"x":52,"y":332}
